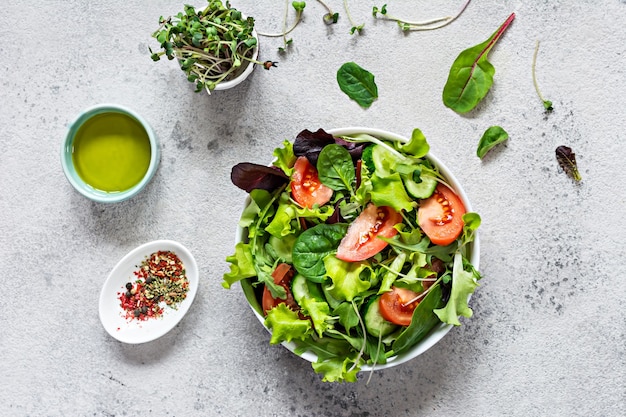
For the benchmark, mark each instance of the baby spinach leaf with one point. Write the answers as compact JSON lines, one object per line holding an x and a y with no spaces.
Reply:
{"x":313,"y":245}
{"x":335,"y":168}
{"x":357,"y":83}
{"x":491,"y":137}
{"x":471,"y":74}
{"x":567,"y":161}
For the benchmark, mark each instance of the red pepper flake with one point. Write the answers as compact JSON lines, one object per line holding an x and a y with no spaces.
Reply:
{"x":160,"y":281}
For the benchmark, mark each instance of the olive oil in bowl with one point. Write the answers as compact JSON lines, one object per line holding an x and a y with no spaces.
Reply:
{"x":111,"y":152}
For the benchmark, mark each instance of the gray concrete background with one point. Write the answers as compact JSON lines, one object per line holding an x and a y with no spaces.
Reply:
{"x":548,"y":334}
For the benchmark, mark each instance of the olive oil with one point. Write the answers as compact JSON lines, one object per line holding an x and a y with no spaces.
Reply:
{"x":111,"y":152}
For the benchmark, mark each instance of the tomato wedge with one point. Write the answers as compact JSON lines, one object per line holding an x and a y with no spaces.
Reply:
{"x":306,"y":187}
{"x":441,"y":216}
{"x":394,"y":308}
{"x":361,"y":241}
{"x":282,"y":276}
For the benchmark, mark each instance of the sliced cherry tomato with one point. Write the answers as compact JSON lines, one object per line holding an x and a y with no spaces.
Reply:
{"x":282,"y":276}
{"x":306,"y":187}
{"x":441,"y":216}
{"x":394,"y":305}
{"x":361,"y":241}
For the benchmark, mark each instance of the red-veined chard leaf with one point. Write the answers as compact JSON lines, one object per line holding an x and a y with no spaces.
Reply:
{"x":471,"y":74}
{"x":357,"y":83}
{"x":567,"y":161}
{"x":491,"y":137}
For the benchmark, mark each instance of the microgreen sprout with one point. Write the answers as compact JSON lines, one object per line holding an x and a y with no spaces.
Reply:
{"x":330,"y":17}
{"x":547,"y":104}
{"x":299,"y":8}
{"x":356,"y":28}
{"x":211,"y":45}
{"x":408,"y":25}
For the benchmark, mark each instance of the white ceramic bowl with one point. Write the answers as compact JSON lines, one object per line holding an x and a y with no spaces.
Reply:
{"x":112,"y":315}
{"x":440,"y":330}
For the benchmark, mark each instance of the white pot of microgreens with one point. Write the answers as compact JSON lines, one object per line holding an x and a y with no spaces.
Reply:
{"x":217,"y":47}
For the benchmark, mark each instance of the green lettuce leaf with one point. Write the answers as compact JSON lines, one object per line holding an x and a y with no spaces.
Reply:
{"x":286,"y":325}
{"x":463,"y":284}
{"x":417,"y":147}
{"x":318,"y":311}
{"x":337,"y":370}
{"x":390,"y":191}
{"x":391,"y":273}
{"x":241,"y":265}
{"x":345,"y":276}
{"x":285,"y":158}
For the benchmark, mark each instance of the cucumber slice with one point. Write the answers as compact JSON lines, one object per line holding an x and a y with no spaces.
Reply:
{"x":375,"y":324}
{"x":423,"y":189}
{"x":304,"y":288}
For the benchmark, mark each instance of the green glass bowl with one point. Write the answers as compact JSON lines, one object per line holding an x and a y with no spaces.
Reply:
{"x":88,"y":190}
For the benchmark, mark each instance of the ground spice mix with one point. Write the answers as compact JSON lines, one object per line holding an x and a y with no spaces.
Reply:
{"x":159,"y":281}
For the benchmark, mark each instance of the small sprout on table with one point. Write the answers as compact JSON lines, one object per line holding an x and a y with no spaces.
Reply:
{"x":299,"y":8}
{"x":330,"y":17}
{"x":356,"y":28}
{"x":547,"y":104}
{"x":407,"y":25}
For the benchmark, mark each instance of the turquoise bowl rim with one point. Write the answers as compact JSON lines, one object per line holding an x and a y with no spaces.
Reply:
{"x":86,"y":189}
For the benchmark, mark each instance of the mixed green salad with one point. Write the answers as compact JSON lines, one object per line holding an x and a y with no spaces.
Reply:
{"x":355,"y":248}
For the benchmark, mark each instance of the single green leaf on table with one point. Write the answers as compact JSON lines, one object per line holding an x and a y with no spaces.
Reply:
{"x":358,"y":84}
{"x":567,"y":161}
{"x":492,"y":136}
{"x":471,"y":74}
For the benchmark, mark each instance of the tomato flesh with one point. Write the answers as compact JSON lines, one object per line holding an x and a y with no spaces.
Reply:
{"x":361,"y":241}
{"x":306,"y":187}
{"x":282,"y":276}
{"x":394,"y":305}
{"x":441,"y":216}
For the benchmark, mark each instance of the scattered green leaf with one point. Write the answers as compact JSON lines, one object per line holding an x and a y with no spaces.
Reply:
{"x":492,"y":136}
{"x":471,"y":74}
{"x":357,"y":83}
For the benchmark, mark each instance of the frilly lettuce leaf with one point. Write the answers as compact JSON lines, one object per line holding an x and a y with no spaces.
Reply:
{"x":318,"y":311}
{"x":390,"y":191}
{"x":337,"y":370}
{"x":282,"y":225}
{"x":241,"y":265}
{"x":463,"y":284}
{"x":286,"y":325}
{"x":417,"y":147}
{"x":285,"y":158}
{"x":345,"y":276}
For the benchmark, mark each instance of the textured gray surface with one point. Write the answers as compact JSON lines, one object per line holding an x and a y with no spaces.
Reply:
{"x":548,"y":334}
